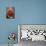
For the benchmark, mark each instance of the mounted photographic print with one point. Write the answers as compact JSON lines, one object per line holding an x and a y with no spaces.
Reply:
{"x":10,"y":13}
{"x":32,"y":32}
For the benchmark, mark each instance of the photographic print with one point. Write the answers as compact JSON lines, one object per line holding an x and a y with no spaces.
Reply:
{"x":31,"y":33}
{"x":10,"y":12}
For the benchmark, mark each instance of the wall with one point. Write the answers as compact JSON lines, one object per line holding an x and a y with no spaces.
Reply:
{"x":6,"y":25}
{"x":31,"y":11}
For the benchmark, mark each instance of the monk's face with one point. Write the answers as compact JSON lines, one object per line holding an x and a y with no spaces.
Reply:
{"x":10,"y":12}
